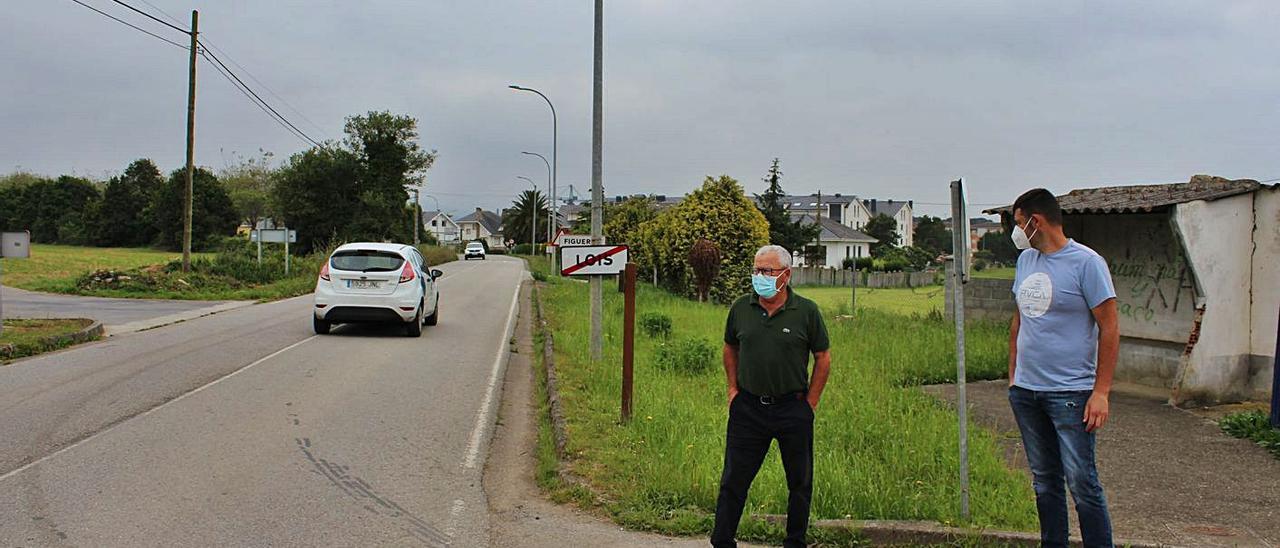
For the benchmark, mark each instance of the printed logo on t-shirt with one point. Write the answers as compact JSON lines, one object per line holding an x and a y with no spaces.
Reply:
{"x":1035,"y":295}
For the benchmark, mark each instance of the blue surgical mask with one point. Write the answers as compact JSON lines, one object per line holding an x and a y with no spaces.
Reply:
{"x":765,"y":286}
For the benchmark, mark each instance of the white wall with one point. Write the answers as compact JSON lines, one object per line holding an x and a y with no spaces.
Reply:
{"x":1218,"y":238}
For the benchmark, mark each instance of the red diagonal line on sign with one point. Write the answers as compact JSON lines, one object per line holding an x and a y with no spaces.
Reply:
{"x":570,"y":270}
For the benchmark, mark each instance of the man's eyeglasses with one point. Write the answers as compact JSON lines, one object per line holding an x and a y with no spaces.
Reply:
{"x":770,"y":271}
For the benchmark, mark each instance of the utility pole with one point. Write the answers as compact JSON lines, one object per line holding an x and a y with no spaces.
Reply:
{"x":191,"y":143}
{"x":597,"y":188}
{"x":417,"y":214}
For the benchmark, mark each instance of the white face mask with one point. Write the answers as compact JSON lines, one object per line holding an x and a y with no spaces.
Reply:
{"x":1020,"y":238}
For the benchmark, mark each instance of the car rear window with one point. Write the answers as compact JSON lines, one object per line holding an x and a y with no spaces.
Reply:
{"x":367,"y":260}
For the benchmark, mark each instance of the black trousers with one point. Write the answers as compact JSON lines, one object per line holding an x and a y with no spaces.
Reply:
{"x":754,"y":425}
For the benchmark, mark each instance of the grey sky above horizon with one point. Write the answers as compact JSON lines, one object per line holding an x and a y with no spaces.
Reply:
{"x":881,"y":99}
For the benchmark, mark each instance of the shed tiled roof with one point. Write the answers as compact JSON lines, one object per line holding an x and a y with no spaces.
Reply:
{"x":832,"y":230}
{"x":489,"y":220}
{"x":1146,"y":198}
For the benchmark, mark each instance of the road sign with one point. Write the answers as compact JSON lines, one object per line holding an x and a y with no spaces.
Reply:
{"x":587,"y":260}
{"x":15,"y":245}
{"x":566,"y":239}
{"x":273,"y":235}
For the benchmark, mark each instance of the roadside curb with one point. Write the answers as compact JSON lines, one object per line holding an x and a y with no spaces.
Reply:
{"x":559,"y":429}
{"x":92,"y":332}
{"x":143,"y":325}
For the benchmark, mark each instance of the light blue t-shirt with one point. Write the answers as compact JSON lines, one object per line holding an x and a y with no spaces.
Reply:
{"x":1058,"y":338}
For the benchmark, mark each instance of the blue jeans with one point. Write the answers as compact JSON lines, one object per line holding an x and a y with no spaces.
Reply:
{"x":1058,"y":447}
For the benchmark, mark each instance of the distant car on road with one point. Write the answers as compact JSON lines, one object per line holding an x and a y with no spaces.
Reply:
{"x":376,"y":282}
{"x":474,"y":249}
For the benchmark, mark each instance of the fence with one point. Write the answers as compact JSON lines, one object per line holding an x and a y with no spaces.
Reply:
{"x":816,"y":275}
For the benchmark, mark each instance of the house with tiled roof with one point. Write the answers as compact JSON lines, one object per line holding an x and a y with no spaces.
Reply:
{"x":483,"y":226}
{"x":838,"y":242}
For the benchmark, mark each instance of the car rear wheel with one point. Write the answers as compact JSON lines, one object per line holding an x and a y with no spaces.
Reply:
{"x":321,"y":326}
{"x":434,"y":318}
{"x":414,"y":327}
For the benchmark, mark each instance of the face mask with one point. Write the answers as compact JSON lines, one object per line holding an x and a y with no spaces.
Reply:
{"x":765,"y":286}
{"x":1020,"y":238}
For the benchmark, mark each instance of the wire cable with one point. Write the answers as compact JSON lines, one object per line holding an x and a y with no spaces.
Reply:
{"x":131,"y":25}
{"x":210,"y":55}
{"x":248,"y":95}
{"x":154,"y":18}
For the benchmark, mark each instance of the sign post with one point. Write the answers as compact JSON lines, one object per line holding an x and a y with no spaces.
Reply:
{"x":959,"y":275}
{"x":13,"y":245}
{"x":628,"y":337}
{"x":280,"y":235}
{"x":591,"y":260}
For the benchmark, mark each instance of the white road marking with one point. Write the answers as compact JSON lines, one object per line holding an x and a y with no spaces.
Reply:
{"x":486,"y":406}
{"x":33,"y":463}
{"x":454,"y":514}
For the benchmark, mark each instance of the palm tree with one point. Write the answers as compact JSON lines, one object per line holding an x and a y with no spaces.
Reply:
{"x":516,"y":221}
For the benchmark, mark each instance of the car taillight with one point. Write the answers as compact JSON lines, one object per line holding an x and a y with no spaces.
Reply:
{"x":324,"y":271}
{"x":406,"y":275}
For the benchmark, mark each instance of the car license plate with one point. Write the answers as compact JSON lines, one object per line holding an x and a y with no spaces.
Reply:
{"x":362,"y":284}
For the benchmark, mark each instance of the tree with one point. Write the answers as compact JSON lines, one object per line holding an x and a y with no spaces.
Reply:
{"x":390,"y":161}
{"x":719,"y":212}
{"x":792,"y":235}
{"x":314,"y":193}
{"x":883,"y":228}
{"x":582,"y":225}
{"x":622,"y":225}
{"x":122,"y":219}
{"x":932,"y":235}
{"x":55,"y":211}
{"x":1001,"y":247}
{"x":212,"y":214}
{"x":249,"y":183}
{"x":517,"y":221}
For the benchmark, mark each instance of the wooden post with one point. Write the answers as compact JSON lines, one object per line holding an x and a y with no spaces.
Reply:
{"x":191,"y":143}
{"x":628,"y":337}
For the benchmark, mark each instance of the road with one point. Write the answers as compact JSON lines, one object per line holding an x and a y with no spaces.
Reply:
{"x":119,"y":316}
{"x":243,"y":428}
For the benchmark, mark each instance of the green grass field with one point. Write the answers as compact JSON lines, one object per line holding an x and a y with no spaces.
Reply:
{"x":54,"y":268}
{"x":884,"y":450}
{"x":1002,"y":273}
{"x":906,"y":301}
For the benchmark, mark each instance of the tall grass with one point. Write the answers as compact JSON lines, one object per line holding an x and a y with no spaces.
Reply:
{"x":883,"y":450}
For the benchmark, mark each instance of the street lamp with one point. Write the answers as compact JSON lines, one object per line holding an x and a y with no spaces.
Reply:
{"x":533,"y":225}
{"x":550,"y":191}
{"x":555,"y":166}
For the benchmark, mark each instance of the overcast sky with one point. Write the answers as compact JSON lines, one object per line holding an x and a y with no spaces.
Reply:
{"x":883,"y":99}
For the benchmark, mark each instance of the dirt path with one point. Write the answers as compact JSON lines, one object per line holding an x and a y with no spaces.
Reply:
{"x":519,"y":514}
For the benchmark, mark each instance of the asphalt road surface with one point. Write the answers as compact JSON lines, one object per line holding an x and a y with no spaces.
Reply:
{"x":244,"y":429}
{"x":118,"y":315}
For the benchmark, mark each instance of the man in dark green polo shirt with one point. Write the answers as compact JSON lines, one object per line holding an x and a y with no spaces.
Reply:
{"x":768,"y":338}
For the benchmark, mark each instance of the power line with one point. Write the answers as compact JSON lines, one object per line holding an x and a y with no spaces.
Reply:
{"x":261,"y":83}
{"x":131,"y":25}
{"x":248,"y":93}
{"x":154,"y":18}
{"x":304,"y":135}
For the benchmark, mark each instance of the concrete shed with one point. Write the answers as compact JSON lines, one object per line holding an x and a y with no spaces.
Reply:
{"x":1196,"y":267}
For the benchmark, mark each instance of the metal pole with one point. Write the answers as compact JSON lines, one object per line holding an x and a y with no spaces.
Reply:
{"x":258,"y":231}
{"x":957,"y":295}
{"x":191,"y":143}
{"x":628,"y":337}
{"x":286,"y":251}
{"x":551,"y":189}
{"x":597,"y":188}
{"x":555,"y":145}
{"x":1275,"y":382}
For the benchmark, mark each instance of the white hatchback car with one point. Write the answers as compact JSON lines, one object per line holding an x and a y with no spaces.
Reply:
{"x":372,"y":282}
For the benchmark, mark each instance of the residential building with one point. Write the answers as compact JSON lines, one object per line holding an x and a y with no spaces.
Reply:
{"x":482,"y":225}
{"x":442,"y":226}
{"x":845,"y":209}
{"x":979,"y":227}
{"x":838,"y":242}
{"x":901,"y":212}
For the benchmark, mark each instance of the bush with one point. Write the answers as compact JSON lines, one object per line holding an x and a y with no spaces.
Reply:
{"x":690,"y":356}
{"x":865,"y":263}
{"x":436,"y":254}
{"x":655,"y":324}
{"x":848,"y":263}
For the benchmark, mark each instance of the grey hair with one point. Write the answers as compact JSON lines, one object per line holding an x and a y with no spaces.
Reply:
{"x":780,"y":252}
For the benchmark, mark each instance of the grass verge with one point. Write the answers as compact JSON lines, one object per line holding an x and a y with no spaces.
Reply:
{"x":1253,"y":425}
{"x":912,"y":300}
{"x":30,"y":337}
{"x":882,"y":451}
{"x":54,"y":268}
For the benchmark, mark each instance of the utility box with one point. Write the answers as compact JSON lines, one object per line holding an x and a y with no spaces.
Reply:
{"x":15,"y":245}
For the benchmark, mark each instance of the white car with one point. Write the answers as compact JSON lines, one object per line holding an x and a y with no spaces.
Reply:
{"x":474,"y":249}
{"x":372,"y":282}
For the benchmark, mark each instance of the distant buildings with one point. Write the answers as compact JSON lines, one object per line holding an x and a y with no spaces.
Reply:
{"x":442,"y":226}
{"x":482,"y":225}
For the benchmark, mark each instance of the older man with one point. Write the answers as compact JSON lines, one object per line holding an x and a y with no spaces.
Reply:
{"x":768,"y":338}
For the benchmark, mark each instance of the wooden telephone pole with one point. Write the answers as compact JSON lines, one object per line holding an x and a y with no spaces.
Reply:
{"x":191,"y":142}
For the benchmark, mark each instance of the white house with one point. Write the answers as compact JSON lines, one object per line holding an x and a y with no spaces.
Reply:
{"x":442,"y":226}
{"x":845,"y":209}
{"x":839,"y":242}
{"x":898,"y":210}
{"x":482,"y":225}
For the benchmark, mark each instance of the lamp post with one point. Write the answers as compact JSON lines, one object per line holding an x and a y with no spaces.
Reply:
{"x":533,"y":224}
{"x":555,"y":166}
{"x":438,"y":213}
{"x":550,"y":191}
